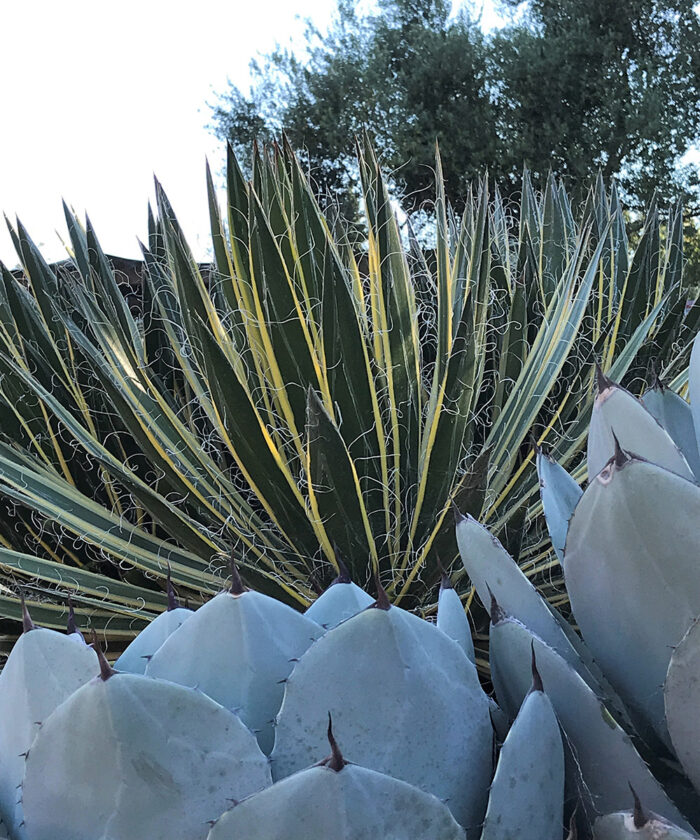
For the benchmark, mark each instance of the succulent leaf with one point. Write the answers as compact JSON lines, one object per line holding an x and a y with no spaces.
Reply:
{"x":560,"y":495}
{"x":452,"y":620}
{"x":604,"y":753}
{"x":499,"y":720}
{"x":43,"y":669}
{"x":337,"y":603}
{"x":238,"y":649}
{"x":631,"y":573}
{"x":138,"y":654}
{"x":621,"y":826}
{"x":617,"y":414}
{"x":682,"y":700}
{"x":494,"y":573}
{"x":526,"y":801}
{"x":676,"y":416}
{"x":350,"y":804}
{"x":132,"y":757}
{"x":405,"y":701}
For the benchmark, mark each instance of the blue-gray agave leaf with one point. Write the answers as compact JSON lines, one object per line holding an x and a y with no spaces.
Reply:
{"x":43,"y":669}
{"x":127,"y":757}
{"x":560,"y":494}
{"x":340,"y":801}
{"x":631,"y":569}
{"x":619,"y":414}
{"x":493,"y":571}
{"x":637,"y":824}
{"x":675,"y":415}
{"x":604,"y":753}
{"x":526,"y":801}
{"x":694,"y":387}
{"x":138,"y":654}
{"x":238,"y":648}
{"x":342,"y":600}
{"x":452,"y":618}
{"x":682,"y":701}
{"x":404,"y":698}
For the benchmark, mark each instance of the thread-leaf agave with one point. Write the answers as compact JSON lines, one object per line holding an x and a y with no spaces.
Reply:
{"x":303,"y":396}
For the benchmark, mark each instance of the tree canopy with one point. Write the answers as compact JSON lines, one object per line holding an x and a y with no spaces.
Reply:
{"x":569,"y":85}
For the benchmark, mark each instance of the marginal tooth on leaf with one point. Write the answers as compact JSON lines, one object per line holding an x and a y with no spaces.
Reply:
{"x":639,"y":817}
{"x":497,"y":612}
{"x":106,"y":670}
{"x":602,"y":381}
{"x":27,"y":623}
{"x":71,"y":627}
{"x":620,"y":458}
{"x":343,"y":575}
{"x":315,"y":584}
{"x":382,"y":602}
{"x":536,"y":677}
{"x":237,"y":587}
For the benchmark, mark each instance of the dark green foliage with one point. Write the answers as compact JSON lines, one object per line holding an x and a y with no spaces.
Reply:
{"x":573,"y":85}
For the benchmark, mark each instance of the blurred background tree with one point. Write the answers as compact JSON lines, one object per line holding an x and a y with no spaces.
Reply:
{"x":613,"y":84}
{"x":571,"y":85}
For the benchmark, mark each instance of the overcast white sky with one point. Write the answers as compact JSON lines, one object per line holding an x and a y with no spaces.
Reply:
{"x":97,"y":96}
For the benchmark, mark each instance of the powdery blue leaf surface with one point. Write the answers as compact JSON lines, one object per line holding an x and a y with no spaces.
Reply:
{"x":560,"y":494}
{"x":606,"y":757}
{"x":682,"y":701}
{"x":617,"y":413}
{"x":452,"y":620}
{"x":694,"y":387}
{"x":137,"y":655}
{"x":526,"y":801}
{"x":676,"y":416}
{"x":352,"y":804}
{"x":631,"y":569}
{"x":405,"y":700}
{"x":43,"y":669}
{"x":133,"y":758}
{"x":620,"y":826}
{"x":492,"y":570}
{"x":238,"y":649}
{"x":340,"y":601}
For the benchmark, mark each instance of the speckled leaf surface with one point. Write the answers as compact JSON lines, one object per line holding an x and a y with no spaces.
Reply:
{"x":526,"y":801}
{"x":353,"y":804}
{"x":132,"y":758}
{"x":631,"y":569}
{"x":405,"y":700}
{"x":43,"y":669}
{"x":238,"y":649}
{"x":606,"y":757}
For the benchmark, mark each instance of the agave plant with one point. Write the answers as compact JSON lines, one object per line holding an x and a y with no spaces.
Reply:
{"x":238,"y":698}
{"x":123,"y":754}
{"x":629,"y":549}
{"x":307,"y":398}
